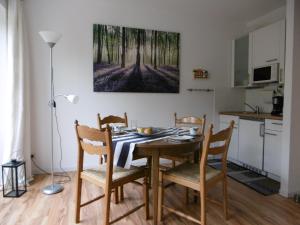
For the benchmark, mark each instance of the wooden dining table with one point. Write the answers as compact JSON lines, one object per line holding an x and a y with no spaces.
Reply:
{"x":159,"y":148}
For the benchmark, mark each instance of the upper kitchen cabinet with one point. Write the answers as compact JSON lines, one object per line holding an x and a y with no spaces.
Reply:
{"x":260,"y":48}
{"x":240,"y":58}
{"x":268,"y":46}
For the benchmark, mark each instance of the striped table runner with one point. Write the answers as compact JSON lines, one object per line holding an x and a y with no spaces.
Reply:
{"x":124,"y":145}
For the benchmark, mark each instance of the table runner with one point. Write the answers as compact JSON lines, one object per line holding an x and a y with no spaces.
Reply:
{"x":124,"y":145}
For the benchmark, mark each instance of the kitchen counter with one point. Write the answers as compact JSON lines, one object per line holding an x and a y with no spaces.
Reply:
{"x":252,"y":115}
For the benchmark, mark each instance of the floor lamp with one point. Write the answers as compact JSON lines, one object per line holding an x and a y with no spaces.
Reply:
{"x":51,"y":38}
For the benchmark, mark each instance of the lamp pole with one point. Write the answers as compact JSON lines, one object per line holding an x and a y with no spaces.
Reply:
{"x":53,"y":188}
{"x":51,"y":38}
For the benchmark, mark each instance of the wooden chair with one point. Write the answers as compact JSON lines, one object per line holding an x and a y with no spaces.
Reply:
{"x":103,"y":122}
{"x":200,"y":177}
{"x":108,"y":120}
{"x":188,"y":121}
{"x":106,"y":176}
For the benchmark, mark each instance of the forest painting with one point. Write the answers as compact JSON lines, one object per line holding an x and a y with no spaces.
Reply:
{"x":135,"y":60}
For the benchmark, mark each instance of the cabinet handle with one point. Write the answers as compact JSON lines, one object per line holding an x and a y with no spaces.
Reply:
{"x":262,"y":130}
{"x":266,"y":133}
{"x":280,"y":124}
{"x":272,"y":60}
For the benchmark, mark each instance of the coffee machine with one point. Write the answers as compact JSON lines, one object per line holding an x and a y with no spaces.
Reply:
{"x":277,"y":105}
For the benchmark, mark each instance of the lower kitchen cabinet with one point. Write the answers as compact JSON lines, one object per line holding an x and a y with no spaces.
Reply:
{"x":256,"y":143}
{"x":272,"y":147}
{"x":233,"y":149}
{"x":251,"y":142}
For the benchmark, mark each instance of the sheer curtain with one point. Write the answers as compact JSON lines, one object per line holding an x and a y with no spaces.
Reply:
{"x":3,"y":86}
{"x":17,"y":122}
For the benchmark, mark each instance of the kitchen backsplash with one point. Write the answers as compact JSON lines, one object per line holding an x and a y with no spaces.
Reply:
{"x":260,"y":97}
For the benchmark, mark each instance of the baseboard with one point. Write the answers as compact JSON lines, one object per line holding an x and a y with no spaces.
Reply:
{"x":139,"y":162}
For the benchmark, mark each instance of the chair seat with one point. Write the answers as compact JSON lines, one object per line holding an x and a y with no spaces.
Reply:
{"x":191,"y":172}
{"x":118,"y":173}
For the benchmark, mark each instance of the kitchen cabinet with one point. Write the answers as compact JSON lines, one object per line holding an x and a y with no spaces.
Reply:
{"x":259,"y":48}
{"x":272,"y":150}
{"x":240,"y":58}
{"x":234,"y":143}
{"x":267,"y":44}
{"x":251,"y":142}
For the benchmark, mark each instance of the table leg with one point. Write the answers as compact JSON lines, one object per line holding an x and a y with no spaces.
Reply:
{"x":155,"y":183}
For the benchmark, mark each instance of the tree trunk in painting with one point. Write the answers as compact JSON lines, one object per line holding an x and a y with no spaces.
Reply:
{"x":144,"y":46}
{"x":159,"y":49}
{"x":151,"y":54}
{"x":155,"y":49}
{"x":165,"y":47}
{"x":118,"y":45}
{"x":112,"y":47}
{"x":177,"y":59}
{"x":99,"y":52}
{"x":107,"y":46}
{"x":138,"y":55}
{"x":123,"y":48}
{"x":169,"y":51}
{"x":126,"y":39}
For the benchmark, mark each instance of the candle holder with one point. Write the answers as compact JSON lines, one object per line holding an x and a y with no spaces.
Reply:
{"x":14,"y":178}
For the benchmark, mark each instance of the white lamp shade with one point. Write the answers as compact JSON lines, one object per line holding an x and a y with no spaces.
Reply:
{"x":50,"y":36}
{"x":72,"y":98}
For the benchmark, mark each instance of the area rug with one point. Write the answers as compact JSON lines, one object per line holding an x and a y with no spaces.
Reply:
{"x":253,"y":180}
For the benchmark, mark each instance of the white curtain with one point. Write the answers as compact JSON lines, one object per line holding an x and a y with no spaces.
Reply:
{"x":17,"y":123}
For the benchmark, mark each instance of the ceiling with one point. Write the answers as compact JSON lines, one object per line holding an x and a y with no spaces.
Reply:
{"x":246,"y":10}
{"x":232,"y":10}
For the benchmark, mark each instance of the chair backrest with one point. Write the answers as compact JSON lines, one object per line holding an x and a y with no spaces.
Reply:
{"x":191,"y":121}
{"x":216,"y":144}
{"x":112,"y":120}
{"x":86,"y":138}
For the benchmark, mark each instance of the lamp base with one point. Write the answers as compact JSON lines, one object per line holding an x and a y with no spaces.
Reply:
{"x":52,"y":189}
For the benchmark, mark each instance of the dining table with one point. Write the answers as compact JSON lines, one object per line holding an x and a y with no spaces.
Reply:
{"x":158,"y":148}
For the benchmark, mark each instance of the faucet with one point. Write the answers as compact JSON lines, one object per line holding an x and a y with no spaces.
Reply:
{"x":254,"y":109}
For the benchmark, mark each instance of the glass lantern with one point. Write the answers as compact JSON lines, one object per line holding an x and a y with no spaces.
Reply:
{"x":14,"y":178}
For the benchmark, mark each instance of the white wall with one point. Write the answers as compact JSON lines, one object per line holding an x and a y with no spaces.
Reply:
{"x":290,"y":182}
{"x":205,"y":41}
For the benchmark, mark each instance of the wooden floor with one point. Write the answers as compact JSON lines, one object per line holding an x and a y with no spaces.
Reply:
{"x":245,"y":207}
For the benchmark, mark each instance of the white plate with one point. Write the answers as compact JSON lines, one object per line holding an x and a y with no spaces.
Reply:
{"x":181,"y":138}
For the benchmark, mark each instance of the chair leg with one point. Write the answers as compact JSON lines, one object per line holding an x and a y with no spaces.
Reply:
{"x":121,"y":193}
{"x":160,"y":196}
{"x":173,"y":163}
{"x":106,"y":207}
{"x":78,"y":199}
{"x":117,"y":195}
{"x":146,"y":196}
{"x":203,"y":206}
{"x":186,"y":195}
{"x":225,"y":198}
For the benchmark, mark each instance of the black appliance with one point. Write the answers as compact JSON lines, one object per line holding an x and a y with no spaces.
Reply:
{"x":277,"y":105}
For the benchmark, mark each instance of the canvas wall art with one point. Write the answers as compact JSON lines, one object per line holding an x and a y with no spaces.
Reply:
{"x":135,"y":60}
